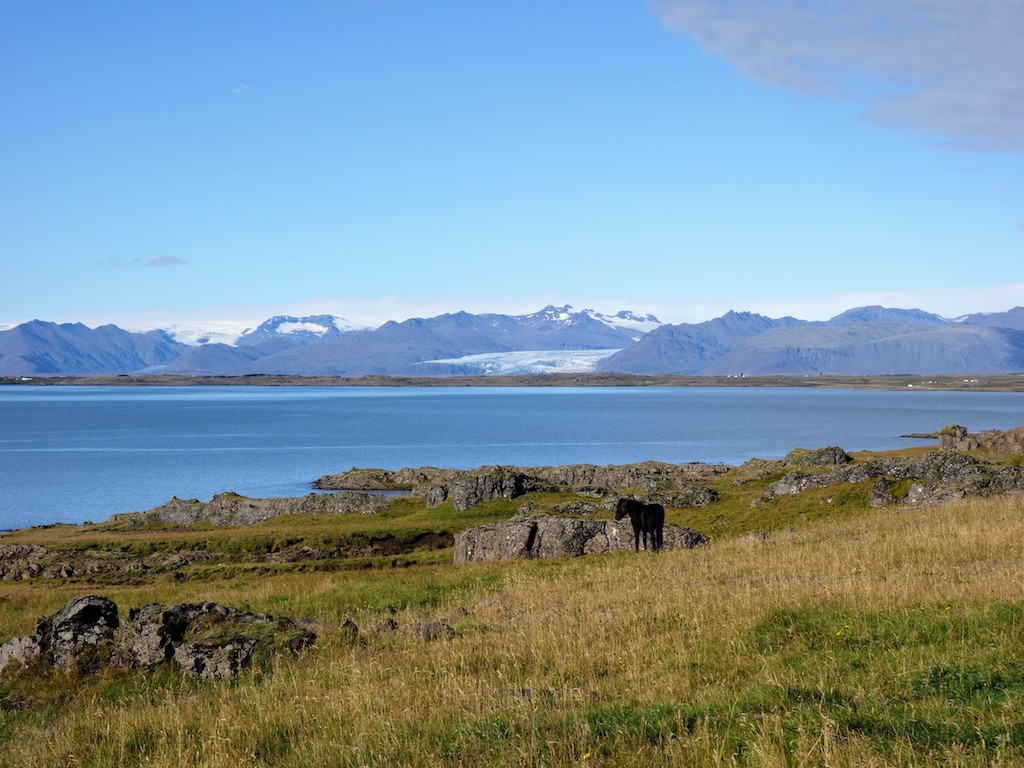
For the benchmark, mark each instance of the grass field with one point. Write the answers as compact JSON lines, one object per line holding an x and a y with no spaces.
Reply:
{"x":843,"y":636}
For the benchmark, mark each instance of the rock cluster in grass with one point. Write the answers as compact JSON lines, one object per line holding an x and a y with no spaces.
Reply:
{"x":681,"y":485}
{"x":552,"y":536}
{"x":204,"y":640}
{"x":20,"y":562}
{"x":927,"y":479}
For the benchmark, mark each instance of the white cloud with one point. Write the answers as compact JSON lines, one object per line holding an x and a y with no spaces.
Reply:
{"x":950,"y":68}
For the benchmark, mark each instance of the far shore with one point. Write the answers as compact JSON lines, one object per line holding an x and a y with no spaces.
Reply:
{"x":944,"y":382}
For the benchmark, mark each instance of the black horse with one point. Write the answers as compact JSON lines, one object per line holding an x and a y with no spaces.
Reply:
{"x":646,"y":519}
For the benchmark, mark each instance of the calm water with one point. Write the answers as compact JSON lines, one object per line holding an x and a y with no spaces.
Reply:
{"x":69,"y":454}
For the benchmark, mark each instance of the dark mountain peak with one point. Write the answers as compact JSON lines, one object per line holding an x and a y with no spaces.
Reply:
{"x":749,"y":322}
{"x":879,"y":314}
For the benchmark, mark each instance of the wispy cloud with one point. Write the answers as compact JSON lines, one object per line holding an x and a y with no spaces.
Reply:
{"x":158,"y":261}
{"x":166,"y":261}
{"x":949,"y":68}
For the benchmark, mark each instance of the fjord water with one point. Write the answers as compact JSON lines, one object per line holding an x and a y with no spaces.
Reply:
{"x":71,"y":454}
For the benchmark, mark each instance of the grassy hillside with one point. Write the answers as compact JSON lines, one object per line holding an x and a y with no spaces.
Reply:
{"x":842,"y":636}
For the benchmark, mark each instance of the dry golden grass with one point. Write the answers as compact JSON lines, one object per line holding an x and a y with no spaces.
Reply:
{"x":891,"y":639}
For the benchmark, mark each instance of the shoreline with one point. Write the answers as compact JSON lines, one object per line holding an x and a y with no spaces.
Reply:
{"x":942,"y":382}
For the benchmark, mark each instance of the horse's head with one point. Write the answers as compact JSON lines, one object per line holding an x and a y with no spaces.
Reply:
{"x":622,"y":509}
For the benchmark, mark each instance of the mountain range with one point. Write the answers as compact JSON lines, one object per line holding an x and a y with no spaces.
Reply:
{"x":862,"y":341}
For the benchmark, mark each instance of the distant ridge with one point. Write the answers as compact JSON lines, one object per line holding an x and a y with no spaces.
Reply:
{"x":41,"y":348}
{"x":1013,"y":318}
{"x":871,"y":340}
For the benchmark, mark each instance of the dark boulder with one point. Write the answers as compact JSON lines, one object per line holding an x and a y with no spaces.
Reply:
{"x":80,"y":636}
{"x":429,"y":631}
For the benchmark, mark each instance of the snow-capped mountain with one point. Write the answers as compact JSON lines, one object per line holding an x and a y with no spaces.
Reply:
{"x":300,"y":330}
{"x":567,"y":316}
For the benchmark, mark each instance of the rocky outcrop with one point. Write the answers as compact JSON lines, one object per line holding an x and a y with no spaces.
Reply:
{"x":678,"y":484}
{"x":204,"y":640}
{"x":551,"y":536}
{"x":231,"y":509}
{"x":957,"y":438}
{"x":470,"y":488}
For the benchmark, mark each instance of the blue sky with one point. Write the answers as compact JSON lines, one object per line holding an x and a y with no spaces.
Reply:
{"x":220,"y":162}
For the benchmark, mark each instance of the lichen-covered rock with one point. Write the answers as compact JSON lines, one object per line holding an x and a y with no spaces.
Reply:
{"x":552,"y":536}
{"x":149,"y":635}
{"x":22,"y":650}
{"x":215,"y":660}
{"x":881,"y":494}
